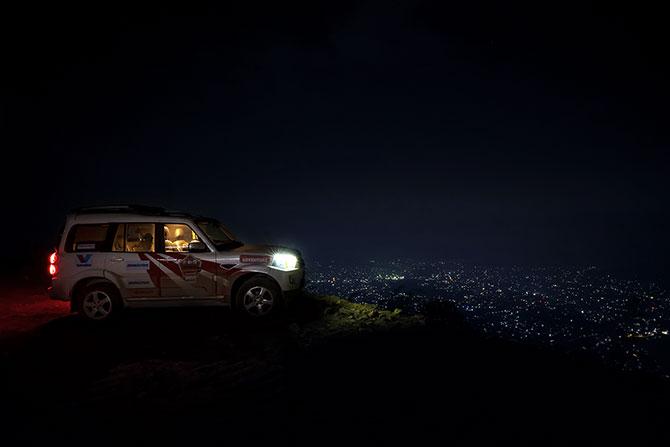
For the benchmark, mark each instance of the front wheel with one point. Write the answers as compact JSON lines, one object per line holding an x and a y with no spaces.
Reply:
{"x":258,"y":297}
{"x":99,"y":302}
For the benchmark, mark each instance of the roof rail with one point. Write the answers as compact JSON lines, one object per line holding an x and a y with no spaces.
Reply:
{"x":128,"y":209}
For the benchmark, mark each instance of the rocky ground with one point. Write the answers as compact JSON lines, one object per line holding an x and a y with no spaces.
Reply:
{"x":327,"y":372}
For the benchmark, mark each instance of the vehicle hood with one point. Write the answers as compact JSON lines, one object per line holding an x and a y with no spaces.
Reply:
{"x":255,"y":250}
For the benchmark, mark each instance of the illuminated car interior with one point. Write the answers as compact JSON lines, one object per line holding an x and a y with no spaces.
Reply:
{"x":177,"y":237}
{"x":139,"y":237}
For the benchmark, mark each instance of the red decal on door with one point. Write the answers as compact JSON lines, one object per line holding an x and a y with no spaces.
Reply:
{"x":154,"y":271}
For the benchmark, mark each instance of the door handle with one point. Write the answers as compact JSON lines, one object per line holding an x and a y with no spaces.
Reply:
{"x":116,"y":259}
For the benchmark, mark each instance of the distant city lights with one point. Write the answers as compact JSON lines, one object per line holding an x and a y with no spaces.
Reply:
{"x":575,"y":309}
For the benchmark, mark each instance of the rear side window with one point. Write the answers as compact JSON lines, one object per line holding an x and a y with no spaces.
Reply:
{"x":140,"y":237}
{"x":93,"y":237}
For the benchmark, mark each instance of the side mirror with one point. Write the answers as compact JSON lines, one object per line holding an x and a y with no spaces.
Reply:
{"x":197,"y":247}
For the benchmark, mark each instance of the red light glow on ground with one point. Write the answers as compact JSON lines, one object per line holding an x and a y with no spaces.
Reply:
{"x":22,"y":309}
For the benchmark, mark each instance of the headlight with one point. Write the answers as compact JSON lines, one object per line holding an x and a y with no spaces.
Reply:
{"x":284,"y":261}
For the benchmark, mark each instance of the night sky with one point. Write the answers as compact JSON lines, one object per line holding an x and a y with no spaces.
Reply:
{"x":491,"y":133}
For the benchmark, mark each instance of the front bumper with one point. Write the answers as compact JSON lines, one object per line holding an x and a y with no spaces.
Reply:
{"x":296,"y":280}
{"x":288,"y":280}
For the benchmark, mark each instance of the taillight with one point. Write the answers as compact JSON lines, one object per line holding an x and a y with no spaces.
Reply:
{"x":53,"y":263}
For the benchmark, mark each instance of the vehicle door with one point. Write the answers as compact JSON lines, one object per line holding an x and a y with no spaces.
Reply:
{"x":187,"y":263}
{"x":129,"y":262}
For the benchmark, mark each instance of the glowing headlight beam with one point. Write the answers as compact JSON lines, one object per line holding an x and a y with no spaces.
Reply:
{"x":284,"y":261}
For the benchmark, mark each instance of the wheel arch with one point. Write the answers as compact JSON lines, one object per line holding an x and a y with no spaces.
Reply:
{"x":242,"y":278}
{"x":86,"y":282}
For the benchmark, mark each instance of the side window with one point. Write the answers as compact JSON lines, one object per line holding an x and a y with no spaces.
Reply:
{"x":119,"y":243}
{"x":92,"y":237}
{"x":177,"y":237}
{"x":140,"y":237}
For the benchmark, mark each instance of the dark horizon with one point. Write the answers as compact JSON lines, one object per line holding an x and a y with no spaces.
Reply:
{"x":490,"y":133}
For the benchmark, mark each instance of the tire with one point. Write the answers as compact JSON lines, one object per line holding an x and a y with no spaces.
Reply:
{"x":99,"y":302}
{"x":258,"y":297}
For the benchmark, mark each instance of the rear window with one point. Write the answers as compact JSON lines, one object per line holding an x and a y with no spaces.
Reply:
{"x":95,"y":237}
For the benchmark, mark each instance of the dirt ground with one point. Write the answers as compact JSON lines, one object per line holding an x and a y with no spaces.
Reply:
{"x":327,"y":373}
{"x":26,"y":307}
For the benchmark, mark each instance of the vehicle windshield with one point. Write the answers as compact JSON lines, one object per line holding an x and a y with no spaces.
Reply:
{"x":220,"y":236}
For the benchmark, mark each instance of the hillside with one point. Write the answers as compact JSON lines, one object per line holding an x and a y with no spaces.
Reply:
{"x":329,"y":372}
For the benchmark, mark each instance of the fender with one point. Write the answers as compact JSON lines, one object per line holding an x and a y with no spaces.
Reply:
{"x":77,"y":279}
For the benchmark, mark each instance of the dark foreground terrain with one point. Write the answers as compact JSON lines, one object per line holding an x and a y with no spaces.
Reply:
{"x":328,"y":373}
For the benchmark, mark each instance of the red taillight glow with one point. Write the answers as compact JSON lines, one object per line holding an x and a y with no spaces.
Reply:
{"x":53,"y":259}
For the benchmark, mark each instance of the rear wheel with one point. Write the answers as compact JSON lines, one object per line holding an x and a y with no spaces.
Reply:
{"x":99,"y":302}
{"x":258,"y":297}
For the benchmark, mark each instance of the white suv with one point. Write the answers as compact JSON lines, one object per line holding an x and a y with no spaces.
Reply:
{"x":112,"y":257}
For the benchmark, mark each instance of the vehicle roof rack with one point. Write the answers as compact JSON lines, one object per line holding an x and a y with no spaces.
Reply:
{"x":128,"y":209}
